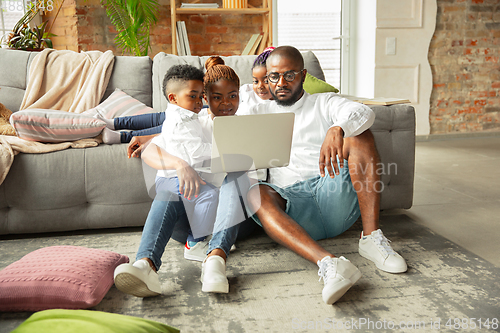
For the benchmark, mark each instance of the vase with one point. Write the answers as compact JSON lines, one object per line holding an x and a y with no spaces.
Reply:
{"x":235,"y":3}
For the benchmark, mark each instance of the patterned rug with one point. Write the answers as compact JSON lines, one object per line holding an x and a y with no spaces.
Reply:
{"x":446,"y":287}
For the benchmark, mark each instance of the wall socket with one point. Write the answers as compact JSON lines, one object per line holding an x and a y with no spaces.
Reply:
{"x":390,"y":46}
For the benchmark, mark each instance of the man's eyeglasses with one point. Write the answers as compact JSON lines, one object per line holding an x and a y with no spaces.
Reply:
{"x":289,"y":76}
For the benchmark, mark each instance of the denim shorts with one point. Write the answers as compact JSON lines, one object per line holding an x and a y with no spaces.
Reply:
{"x":323,"y":206}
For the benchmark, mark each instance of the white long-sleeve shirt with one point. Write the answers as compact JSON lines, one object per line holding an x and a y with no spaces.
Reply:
{"x":184,"y":135}
{"x":314,"y":115}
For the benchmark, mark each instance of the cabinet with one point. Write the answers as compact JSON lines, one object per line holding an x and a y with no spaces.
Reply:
{"x":266,"y":11}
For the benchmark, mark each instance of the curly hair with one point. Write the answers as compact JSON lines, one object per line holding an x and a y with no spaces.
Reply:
{"x":217,"y":70}
{"x":261,"y":59}
{"x":179,"y":74}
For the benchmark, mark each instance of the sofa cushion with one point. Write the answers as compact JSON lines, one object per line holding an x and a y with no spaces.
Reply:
{"x":55,"y":126}
{"x":314,"y":85}
{"x":63,"y":321}
{"x":120,"y":104}
{"x":67,"y":277}
{"x":242,"y":65}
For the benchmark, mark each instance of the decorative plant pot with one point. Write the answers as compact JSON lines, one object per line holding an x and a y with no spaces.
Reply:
{"x":235,"y":3}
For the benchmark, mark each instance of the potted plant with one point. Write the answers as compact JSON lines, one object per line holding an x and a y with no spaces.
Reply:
{"x":23,"y":37}
{"x":133,"y":20}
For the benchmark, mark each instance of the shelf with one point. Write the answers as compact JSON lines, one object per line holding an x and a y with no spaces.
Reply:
{"x":265,"y":11}
{"x":247,"y":11}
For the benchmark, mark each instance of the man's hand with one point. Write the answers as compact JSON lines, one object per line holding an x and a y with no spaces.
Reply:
{"x":137,"y":145}
{"x":332,"y":146}
{"x":189,"y":180}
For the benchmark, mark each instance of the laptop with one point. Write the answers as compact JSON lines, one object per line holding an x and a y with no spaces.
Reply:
{"x":250,"y":142}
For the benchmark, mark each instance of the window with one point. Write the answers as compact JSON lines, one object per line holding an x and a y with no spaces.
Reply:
{"x":10,"y":12}
{"x":313,"y":25}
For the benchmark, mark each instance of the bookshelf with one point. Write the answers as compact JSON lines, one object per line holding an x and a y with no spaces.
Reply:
{"x":266,"y":11}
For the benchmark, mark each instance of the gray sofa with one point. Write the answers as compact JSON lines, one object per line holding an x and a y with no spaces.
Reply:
{"x":100,"y":187}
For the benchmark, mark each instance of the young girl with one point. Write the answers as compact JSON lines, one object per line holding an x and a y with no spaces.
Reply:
{"x":141,"y":279}
{"x":258,"y":91}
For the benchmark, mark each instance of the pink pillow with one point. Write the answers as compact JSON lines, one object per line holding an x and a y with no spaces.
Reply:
{"x":62,"y":277}
{"x":119,"y":104}
{"x":55,"y":126}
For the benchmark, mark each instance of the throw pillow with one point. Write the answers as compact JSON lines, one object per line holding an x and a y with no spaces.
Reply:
{"x":55,"y":126}
{"x":63,"y":321}
{"x":120,"y":104}
{"x":314,"y":85}
{"x":64,"y":277}
{"x":5,"y":126}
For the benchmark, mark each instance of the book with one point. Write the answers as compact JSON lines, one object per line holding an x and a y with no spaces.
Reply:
{"x":255,"y":45}
{"x":187,"y":47}
{"x":263,"y":43}
{"x":199,"y":5}
{"x":377,"y":100}
{"x":250,"y":44}
{"x":181,"y":50}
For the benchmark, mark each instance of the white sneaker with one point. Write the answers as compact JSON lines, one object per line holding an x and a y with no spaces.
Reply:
{"x":198,"y":252}
{"x":338,"y":274}
{"x":213,"y":275}
{"x":376,"y":247}
{"x":138,"y":279}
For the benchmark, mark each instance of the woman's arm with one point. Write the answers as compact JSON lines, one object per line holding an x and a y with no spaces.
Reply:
{"x":138,"y":144}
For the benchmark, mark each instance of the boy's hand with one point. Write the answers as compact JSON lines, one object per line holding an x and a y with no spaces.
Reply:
{"x":189,"y":181}
{"x":137,"y":145}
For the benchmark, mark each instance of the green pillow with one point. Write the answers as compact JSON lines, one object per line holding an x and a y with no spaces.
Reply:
{"x":84,"y":321}
{"x":313,"y":85}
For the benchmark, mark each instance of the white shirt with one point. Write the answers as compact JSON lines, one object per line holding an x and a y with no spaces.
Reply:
{"x":248,"y":98}
{"x":183,"y":135}
{"x":314,"y":115}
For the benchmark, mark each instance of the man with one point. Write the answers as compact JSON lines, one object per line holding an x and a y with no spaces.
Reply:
{"x":301,"y":204}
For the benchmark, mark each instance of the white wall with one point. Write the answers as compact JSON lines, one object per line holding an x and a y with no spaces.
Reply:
{"x":362,"y":48}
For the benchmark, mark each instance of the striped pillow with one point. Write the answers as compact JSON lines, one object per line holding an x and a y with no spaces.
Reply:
{"x":55,"y":126}
{"x":119,"y":104}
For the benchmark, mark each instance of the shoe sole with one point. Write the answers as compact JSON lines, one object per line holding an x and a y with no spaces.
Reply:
{"x":379,"y":266}
{"x":348,"y":283}
{"x":193,"y":257}
{"x":130,"y":284}
{"x":220,"y":288}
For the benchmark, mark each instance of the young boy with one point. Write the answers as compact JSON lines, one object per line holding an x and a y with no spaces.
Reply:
{"x":182,"y":136}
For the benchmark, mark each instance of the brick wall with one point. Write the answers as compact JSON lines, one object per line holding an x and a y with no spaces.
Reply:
{"x":83,"y":25}
{"x":464,"y":57}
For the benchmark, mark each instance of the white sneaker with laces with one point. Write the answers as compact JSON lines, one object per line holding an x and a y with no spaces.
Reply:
{"x":138,"y":279}
{"x":213,"y":275}
{"x":338,"y":274}
{"x":376,"y":247}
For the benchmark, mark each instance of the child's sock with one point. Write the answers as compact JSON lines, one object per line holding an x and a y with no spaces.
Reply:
{"x":110,"y":123}
{"x":110,"y":137}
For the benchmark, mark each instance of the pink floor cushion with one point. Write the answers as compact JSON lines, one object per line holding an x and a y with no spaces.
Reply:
{"x":58,"y":277}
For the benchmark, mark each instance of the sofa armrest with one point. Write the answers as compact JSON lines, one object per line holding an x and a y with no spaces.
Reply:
{"x":394,"y":132}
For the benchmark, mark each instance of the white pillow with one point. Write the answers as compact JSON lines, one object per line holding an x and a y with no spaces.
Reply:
{"x":55,"y":126}
{"x":120,"y":104}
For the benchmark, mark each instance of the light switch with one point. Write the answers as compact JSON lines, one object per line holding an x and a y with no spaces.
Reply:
{"x":390,"y":45}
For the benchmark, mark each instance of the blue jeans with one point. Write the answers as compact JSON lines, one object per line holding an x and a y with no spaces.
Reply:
{"x":232,"y":221}
{"x":144,"y":124}
{"x":168,"y":209}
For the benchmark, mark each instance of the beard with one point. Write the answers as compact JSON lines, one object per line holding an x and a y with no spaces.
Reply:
{"x":290,"y":100}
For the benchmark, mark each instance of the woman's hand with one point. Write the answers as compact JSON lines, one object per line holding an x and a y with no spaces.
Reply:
{"x":189,"y":180}
{"x":332,"y":146}
{"x":137,"y":145}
